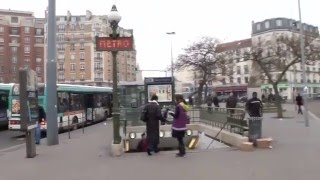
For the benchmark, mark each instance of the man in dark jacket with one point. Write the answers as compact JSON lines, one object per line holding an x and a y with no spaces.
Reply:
{"x":152,"y":115}
{"x":254,"y":106}
{"x":299,"y":102}
{"x":215,"y":101}
{"x":231,"y":103}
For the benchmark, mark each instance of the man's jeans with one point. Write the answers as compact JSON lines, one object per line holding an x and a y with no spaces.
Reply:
{"x":38,"y":133}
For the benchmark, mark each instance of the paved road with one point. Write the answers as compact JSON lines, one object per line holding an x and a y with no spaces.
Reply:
{"x":10,"y":138}
{"x":86,"y":156}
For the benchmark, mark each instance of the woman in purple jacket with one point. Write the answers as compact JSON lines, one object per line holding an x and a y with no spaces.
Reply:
{"x":179,"y":125}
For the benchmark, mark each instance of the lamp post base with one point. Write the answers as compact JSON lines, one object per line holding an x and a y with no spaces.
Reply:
{"x":116,"y":149}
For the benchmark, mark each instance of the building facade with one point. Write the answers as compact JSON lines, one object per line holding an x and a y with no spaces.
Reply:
{"x":21,"y":44}
{"x":265,"y":34}
{"x":77,"y":60}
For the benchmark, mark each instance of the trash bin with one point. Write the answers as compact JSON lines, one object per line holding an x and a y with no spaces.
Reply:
{"x":255,"y":129}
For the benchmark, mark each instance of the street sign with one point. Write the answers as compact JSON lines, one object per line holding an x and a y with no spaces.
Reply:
{"x":114,"y":44}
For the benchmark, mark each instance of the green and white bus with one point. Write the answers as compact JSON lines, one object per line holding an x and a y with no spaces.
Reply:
{"x":76,"y":104}
{"x":5,"y":90}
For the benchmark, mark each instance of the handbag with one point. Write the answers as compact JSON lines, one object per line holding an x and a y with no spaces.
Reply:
{"x":144,"y":115}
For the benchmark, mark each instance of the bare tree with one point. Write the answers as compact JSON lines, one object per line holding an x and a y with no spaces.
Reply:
{"x":274,"y":58}
{"x":203,"y":58}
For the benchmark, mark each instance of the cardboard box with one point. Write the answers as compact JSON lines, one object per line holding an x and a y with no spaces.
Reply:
{"x":246,"y":146}
{"x":264,"y":143}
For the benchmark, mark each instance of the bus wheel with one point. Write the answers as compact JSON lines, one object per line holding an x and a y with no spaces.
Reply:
{"x":75,"y":120}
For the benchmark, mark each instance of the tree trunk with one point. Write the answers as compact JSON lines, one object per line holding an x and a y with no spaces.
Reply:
{"x":206,"y":91}
{"x":278,"y":101}
{"x":199,"y":98}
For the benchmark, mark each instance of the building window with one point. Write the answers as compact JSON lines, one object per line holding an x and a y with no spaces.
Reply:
{"x":72,"y":47}
{"x":62,"y":19}
{"x":27,"y":30}
{"x":60,"y":47}
{"x":14,"y":59}
{"x":73,"y":67}
{"x":38,"y":69}
{"x":72,"y":57}
{"x":81,"y":37}
{"x":39,"y":32}
{"x":60,"y":37}
{"x":61,"y":27}
{"x":267,"y":25}
{"x":238,"y":70}
{"x":239,"y":80}
{"x":14,"y":19}
{"x":82,"y":56}
{"x":60,"y":67}
{"x":39,"y":40}
{"x":26,"y":49}
{"x":27,"y":60}
{"x":14,"y":69}
{"x":82,"y":46}
{"x":279,"y":22}
{"x":14,"y":50}
{"x":1,"y":49}
{"x":14,"y":40}
{"x":246,"y":79}
{"x":73,"y":27}
{"x":82,"y":66}
{"x":73,"y":19}
{"x":39,"y":52}
{"x":258,"y":27}
{"x":1,"y":29}
{"x":82,"y":77}
{"x":246,"y":69}
{"x":60,"y":77}
{"x":72,"y":77}
{"x":81,"y":26}
{"x":27,"y":39}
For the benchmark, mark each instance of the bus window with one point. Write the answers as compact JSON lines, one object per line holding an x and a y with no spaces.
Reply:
{"x":63,"y":104}
{"x":76,"y":102}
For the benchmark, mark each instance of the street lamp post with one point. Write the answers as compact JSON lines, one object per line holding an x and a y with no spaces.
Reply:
{"x":171,"y":33}
{"x":114,"y":18}
{"x":305,"y":89}
{"x":52,"y":126}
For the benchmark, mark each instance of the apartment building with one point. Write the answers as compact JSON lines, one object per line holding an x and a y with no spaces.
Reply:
{"x":21,"y":44}
{"x":77,"y":60}
{"x":265,"y":33}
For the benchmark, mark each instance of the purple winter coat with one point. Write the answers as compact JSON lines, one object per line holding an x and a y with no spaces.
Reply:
{"x":180,"y":119}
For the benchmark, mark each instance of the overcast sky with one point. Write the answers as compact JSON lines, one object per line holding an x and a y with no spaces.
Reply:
{"x":226,"y":20}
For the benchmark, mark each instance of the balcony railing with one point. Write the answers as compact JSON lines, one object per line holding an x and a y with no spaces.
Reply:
{"x":98,"y":58}
{"x":61,"y":69}
{"x":98,"y":79}
{"x":98,"y":68}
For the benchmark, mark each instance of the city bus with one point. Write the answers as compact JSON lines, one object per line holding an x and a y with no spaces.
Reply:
{"x":76,"y":104}
{"x":5,"y":90}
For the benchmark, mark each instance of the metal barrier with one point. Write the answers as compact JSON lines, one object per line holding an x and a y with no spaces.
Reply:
{"x":231,"y":119}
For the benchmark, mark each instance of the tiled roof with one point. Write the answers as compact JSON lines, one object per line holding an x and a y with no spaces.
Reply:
{"x":234,"y":45}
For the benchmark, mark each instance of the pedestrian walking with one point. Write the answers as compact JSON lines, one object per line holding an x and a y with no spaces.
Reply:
{"x":179,"y":125}
{"x":254,"y":108}
{"x":299,"y":101}
{"x":151,"y":114}
{"x":41,"y":117}
{"x":215,"y":101}
{"x":231,"y":103}
{"x":209,"y":102}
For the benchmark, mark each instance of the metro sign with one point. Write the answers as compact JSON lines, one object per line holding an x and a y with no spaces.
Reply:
{"x":111,"y":44}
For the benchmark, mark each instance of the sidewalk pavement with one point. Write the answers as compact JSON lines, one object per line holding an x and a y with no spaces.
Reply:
{"x":295,"y":156}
